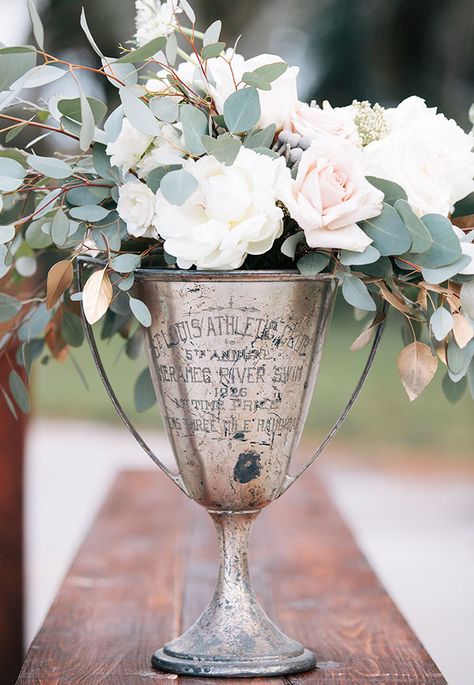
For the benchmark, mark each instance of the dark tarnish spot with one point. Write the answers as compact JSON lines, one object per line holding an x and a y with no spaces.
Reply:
{"x":239,"y":436}
{"x":248,"y":467}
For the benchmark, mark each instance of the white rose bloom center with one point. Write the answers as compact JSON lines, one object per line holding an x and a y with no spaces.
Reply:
{"x":136,"y":206}
{"x":232,"y":213}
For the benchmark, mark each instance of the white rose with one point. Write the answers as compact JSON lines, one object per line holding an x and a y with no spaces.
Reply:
{"x":129,"y":147}
{"x":276,"y":104}
{"x":311,"y":121}
{"x":232,"y":213}
{"x":428,"y":155}
{"x":167,"y":150}
{"x":136,"y":206}
{"x":331,"y":194}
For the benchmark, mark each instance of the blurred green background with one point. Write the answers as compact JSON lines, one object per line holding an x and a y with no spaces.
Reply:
{"x":381,"y":50}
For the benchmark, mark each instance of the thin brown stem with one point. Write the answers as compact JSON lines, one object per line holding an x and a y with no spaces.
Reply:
{"x":36,"y":124}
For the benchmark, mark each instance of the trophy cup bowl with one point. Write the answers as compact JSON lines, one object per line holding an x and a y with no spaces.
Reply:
{"x":234,"y":358}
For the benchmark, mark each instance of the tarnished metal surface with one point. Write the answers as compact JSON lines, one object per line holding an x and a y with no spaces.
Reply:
{"x":234,"y":362}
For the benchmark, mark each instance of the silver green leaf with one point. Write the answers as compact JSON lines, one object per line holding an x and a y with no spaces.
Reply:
{"x":195,"y":125}
{"x":355,"y":293}
{"x":88,"y":33}
{"x":178,"y":186}
{"x":124,"y":263}
{"x":445,"y":248}
{"x":368,"y":256}
{"x":50,"y":166}
{"x":212,"y":34}
{"x":9,"y":307}
{"x":389,"y":234}
{"x":91,"y":213}
{"x":165,"y":108}
{"x":38,"y":30}
{"x":289,"y":245}
{"x":392,"y":191}
{"x":12,"y":174}
{"x":441,"y":323}
{"x":72,"y":330}
{"x":144,"y":392}
{"x":421,"y":237}
{"x":59,"y":228}
{"x":444,"y":273}
{"x":242,"y":110}
{"x":14,"y":63}
{"x":140,"y":311}
{"x":225,"y":148}
{"x":139,"y":114}
{"x":144,"y":52}
{"x":7,"y":233}
{"x":19,"y":391}
{"x":312,"y":263}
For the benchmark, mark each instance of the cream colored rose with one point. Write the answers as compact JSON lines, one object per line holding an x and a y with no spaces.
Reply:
{"x":232,"y":213}
{"x":136,"y":206}
{"x":312,"y":121}
{"x":428,"y":155}
{"x":276,"y":104}
{"x":127,"y":150}
{"x":167,"y":150}
{"x":331,"y":194}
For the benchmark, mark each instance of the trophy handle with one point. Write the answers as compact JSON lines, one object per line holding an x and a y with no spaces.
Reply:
{"x":89,"y":333}
{"x":375,"y":345}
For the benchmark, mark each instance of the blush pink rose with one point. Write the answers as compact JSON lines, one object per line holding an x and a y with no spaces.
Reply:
{"x":312,"y":121}
{"x":331,"y":194}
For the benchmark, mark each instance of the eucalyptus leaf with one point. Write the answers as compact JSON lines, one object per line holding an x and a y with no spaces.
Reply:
{"x":140,"y":311}
{"x":14,"y":63}
{"x":421,"y":237}
{"x":444,"y":273}
{"x":59,"y":228}
{"x":165,"y":108}
{"x":389,"y":234}
{"x":87,"y":132}
{"x":72,"y":330}
{"x":19,"y":391}
{"x":89,"y":213}
{"x":154,"y":178}
{"x":289,"y":245}
{"x":139,"y":114}
{"x":454,"y":391}
{"x":355,"y":293}
{"x":144,"y":392}
{"x":392,"y":191}
{"x":225,"y":148}
{"x":9,"y":307}
{"x":34,"y":324}
{"x":312,"y":263}
{"x":171,"y":49}
{"x":102,"y":163}
{"x":467,"y":298}
{"x":441,"y":323}
{"x":50,"y":166}
{"x":242,"y":110}
{"x":212,"y":50}
{"x":12,"y":174}
{"x":35,"y":237}
{"x":7,"y":233}
{"x":71,"y":108}
{"x":144,"y":52}
{"x":178,"y":186}
{"x":119,"y":74}
{"x":38,"y":30}
{"x":124,"y":263}
{"x":368,"y":256}
{"x":47,"y":203}
{"x":445,"y":249}
{"x":212,"y":34}
{"x":126,"y":283}
{"x":39,"y":76}
{"x":195,"y":124}
{"x":88,"y":33}
{"x":261,"y":138}
{"x":188,"y":10}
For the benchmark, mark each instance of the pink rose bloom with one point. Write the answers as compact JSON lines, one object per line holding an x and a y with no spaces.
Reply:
{"x":312,"y":121}
{"x":331,"y":194}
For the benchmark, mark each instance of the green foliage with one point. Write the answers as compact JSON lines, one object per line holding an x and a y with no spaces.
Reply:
{"x":389,"y":234}
{"x":355,"y":293}
{"x":312,"y":263}
{"x":242,"y":110}
{"x":178,"y":186}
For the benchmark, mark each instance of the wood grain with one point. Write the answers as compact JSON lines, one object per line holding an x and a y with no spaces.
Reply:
{"x":147,"y":569}
{"x":12,"y":433}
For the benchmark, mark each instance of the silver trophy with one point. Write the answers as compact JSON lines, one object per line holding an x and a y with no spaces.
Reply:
{"x":234,"y":358}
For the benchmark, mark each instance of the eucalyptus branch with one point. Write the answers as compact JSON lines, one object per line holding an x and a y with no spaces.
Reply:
{"x":37,"y":124}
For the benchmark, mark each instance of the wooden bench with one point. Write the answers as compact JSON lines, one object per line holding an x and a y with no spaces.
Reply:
{"x":147,"y":569}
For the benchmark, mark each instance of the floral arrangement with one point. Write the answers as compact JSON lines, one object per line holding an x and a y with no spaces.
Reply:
{"x":211,"y":162}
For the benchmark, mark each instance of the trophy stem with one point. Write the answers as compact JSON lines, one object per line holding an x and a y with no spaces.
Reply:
{"x":234,"y":636}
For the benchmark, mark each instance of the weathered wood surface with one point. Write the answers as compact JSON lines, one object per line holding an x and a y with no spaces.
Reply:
{"x":12,"y":434}
{"x":148,"y":567}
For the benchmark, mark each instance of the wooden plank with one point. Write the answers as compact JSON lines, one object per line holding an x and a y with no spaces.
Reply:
{"x":12,"y":434}
{"x":147,"y":569}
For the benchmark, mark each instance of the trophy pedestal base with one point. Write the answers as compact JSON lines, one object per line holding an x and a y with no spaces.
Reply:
{"x":270,"y":666}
